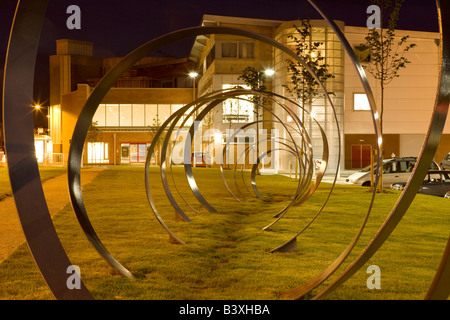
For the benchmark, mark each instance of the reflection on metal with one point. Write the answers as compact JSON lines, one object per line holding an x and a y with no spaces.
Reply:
{"x":307,"y":287}
{"x":41,"y":236}
{"x":440,"y":288}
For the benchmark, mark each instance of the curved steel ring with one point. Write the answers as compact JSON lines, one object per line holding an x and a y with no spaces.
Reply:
{"x":97,"y":95}
{"x":31,"y":205}
{"x":218,"y":96}
{"x":295,"y":119}
{"x":40,"y":231}
{"x":298,"y":199}
{"x":173,"y":119}
{"x":426,"y":155}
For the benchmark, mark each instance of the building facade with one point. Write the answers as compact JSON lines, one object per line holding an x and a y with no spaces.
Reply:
{"x":156,"y":87}
{"x":128,"y":116}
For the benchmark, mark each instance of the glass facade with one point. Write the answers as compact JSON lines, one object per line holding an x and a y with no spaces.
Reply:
{"x":237,"y":110}
{"x":320,"y":107}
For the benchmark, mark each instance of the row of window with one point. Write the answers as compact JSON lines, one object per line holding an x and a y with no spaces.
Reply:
{"x":134,"y":115}
{"x":142,"y":115}
{"x":97,"y":152}
{"x":237,"y":50}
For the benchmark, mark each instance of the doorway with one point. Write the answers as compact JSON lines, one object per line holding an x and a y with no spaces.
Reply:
{"x":361,"y":156}
{"x":134,"y":152}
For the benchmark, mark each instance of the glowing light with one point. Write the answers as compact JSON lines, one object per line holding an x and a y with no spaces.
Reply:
{"x":193,"y":74}
{"x":217,"y":137}
{"x":269,"y":72}
{"x":313,"y":115}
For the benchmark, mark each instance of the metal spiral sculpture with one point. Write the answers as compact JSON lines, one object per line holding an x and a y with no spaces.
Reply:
{"x":39,"y":230}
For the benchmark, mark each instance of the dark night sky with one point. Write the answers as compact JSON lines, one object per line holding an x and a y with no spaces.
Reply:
{"x":117,"y":27}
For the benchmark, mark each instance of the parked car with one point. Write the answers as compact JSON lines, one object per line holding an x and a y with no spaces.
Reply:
{"x":398,"y":186}
{"x":395,"y":170}
{"x":445,"y":163}
{"x":198,"y":159}
{"x":437,"y":183}
{"x":432,"y":175}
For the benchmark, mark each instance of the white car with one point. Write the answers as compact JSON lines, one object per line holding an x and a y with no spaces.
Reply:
{"x":395,"y":170}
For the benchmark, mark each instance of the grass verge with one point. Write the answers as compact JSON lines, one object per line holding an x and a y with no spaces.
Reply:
{"x":45,"y":173}
{"x":227,"y":255}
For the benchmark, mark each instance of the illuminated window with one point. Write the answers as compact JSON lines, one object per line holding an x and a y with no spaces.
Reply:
{"x":100,"y":116}
{"x":360,"y":102}
{"x":39,"y":148}
{"x":133,"y":115}
{"x":151,"y":112}
{"x":237,"y":110}
{"x":125,"y":115}
{"x":189,"y":121}
{"x":138,"y":115}
{"x":164,"y":111}
{"x":112,"y":115}
{"x":97,"y":152}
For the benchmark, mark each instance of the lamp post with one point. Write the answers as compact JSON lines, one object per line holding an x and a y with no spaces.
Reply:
{"x":268,"y":73}
{"x":36,"y":107}
{"x":194,"y":75}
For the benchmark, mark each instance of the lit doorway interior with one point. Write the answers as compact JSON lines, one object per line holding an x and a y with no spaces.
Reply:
{"x":134,"y":152}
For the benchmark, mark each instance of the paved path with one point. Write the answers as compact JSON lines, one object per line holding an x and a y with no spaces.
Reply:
{"x":57,"y":196}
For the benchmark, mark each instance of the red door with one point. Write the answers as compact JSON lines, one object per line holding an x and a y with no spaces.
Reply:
{"x":361,"y":156}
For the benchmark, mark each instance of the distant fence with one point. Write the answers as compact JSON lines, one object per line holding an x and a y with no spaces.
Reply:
{"x":56,"y":159}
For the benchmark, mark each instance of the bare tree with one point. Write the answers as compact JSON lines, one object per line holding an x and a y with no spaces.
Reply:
{"x":387,"y":52}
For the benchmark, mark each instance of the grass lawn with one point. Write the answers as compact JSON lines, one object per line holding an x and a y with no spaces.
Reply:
{"x":227,"y":255}
{"x":45,"y":172}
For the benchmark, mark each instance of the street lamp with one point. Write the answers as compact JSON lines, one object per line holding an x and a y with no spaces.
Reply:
{"x":193,"y":75}
{"x":267,"y":72}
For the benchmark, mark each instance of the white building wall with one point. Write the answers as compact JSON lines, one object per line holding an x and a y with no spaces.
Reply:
{"x":409,"y":99}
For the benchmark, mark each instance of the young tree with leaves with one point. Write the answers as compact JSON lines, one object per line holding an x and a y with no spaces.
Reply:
{"x":303,"y":86}
{"x":93,"y":134}
{"x":387,"y":52}
{"x":255,"y":78}
{"x":152,"y":130}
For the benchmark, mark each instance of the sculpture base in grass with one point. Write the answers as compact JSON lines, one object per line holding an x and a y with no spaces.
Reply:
{"x":290,"y":246}
{"x":172,"y":240}
{"x":178,"y":218}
